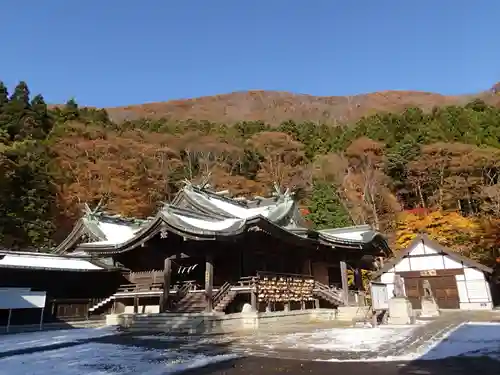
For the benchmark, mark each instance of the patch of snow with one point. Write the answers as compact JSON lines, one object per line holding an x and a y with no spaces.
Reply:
{"x":99,"y":359}
{"x":117,"y":233}
{"x":345,"y":339}
{"x":51,"y":262}
{"x":17,"y":341}
{"x":209,"y":225}
{"x":466,"y":340}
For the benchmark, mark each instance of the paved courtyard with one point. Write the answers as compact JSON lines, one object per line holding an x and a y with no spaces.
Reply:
{"x":452,"y":344}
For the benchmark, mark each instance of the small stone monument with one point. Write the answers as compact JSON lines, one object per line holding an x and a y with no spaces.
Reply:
{"x":430,"y":308}
{"x":400,"y":310}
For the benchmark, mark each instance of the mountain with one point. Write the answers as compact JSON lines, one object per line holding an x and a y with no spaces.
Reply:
{"x":274,"y":107}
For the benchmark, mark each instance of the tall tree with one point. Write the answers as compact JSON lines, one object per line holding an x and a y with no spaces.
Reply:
{"x":325,"y":207}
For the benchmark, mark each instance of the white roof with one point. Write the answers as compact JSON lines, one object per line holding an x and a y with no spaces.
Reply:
{"x":45,"y":261}
{"x":116,"y":233}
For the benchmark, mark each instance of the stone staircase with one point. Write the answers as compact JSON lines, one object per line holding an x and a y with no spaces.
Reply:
{"x":169,"y":322}
{"x":101,"y":303}
{"x":192,"y":302}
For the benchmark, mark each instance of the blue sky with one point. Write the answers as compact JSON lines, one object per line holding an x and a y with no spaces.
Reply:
{"x":119,"y":52}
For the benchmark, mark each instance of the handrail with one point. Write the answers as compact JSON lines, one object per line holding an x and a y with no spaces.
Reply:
{"x":184,"y":289}
{"x":324,"y":288}
{"x":220,"y":293}
{"x":139,"y":287}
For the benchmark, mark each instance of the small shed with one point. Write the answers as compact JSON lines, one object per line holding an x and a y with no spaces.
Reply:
{"x":457,"y":282}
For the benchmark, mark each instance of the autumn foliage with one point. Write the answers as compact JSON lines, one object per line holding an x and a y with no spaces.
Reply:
{"x":441,"y":166}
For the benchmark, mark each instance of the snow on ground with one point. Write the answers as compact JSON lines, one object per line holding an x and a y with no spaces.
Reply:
{"x":472,"y":339}
{"x":343,"y":339}
{"x":42,"y":339}
{"x":92,"y":358}
{"x":100,"y":359}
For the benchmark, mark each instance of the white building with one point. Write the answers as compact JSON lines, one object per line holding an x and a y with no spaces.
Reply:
{"x":457,"y":282}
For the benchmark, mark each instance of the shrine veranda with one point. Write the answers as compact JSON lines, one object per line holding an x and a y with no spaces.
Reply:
{"x":203,"y":252}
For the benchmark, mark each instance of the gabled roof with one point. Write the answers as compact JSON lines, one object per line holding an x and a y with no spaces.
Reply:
{"x":98,"y":227}
{"x":427,"y":241}
{"x":200,"y":214}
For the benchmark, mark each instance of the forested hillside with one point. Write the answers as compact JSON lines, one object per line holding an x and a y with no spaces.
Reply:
{"x":436,"y":171}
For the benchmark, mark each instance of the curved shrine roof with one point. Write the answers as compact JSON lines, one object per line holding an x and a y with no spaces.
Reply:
{"x":201,"y":214}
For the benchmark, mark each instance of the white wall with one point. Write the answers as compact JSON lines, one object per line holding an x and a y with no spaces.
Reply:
{"x":473,"y":289}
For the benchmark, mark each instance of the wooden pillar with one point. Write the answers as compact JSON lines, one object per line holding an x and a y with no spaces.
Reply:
{"x":209,"y":282}
{"x":345,"y":285}
{"x":167,"y":273}
{"x":136,"y":305}
{"x":253,"y":299}
{"x":309,"y":267}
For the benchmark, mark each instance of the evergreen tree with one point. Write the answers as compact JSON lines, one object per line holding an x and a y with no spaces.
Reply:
{"x":15,"y":111}
{"x":4,"y":101}
{"x":42,"y":117}
{"x":21,"y":95}
{"x":326,"y":209}
{"x":4,"y":95}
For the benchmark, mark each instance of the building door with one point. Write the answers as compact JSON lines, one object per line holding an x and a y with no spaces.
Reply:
{"x":445,"y":291}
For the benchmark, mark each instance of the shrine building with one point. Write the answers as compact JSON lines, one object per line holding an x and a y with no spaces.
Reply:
{"x":203,"y":252}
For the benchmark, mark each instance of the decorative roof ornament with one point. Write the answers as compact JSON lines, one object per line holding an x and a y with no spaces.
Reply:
{"x":204,"y":183}
{"x":282,"y":195}
{"x":92,"y":213}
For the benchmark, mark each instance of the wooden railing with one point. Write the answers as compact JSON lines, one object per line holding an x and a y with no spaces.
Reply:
{"x":333,"y":292}
{"x":221,"y":293}
{"x":154,"y":276}
{"x":127,"y":288}
{"x":247,"y":281}
{"x":185,"y":288}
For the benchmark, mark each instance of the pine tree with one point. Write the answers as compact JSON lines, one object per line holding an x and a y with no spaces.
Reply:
{"x":43,"y":120}
{"x":21,"y":95}
{"x":4,"y":101}
{"x":325,"y":207}
{"x":15,"y":111}
{"x":4,"y":95}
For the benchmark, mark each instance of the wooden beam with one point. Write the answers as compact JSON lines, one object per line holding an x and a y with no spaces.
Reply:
{"x":167,"y":274}
{"x":345,"y":284}
{"x":209,"y":282}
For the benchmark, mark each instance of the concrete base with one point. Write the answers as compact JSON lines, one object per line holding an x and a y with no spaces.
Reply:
{"x":400,"y":311}
{"x":217,"y":323}
{"x":430,"y":309}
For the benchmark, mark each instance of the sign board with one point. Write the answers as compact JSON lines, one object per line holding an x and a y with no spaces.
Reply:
{"x":380,"y":298}
{"x":22,"y":299}
{"x":428,"y":273}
